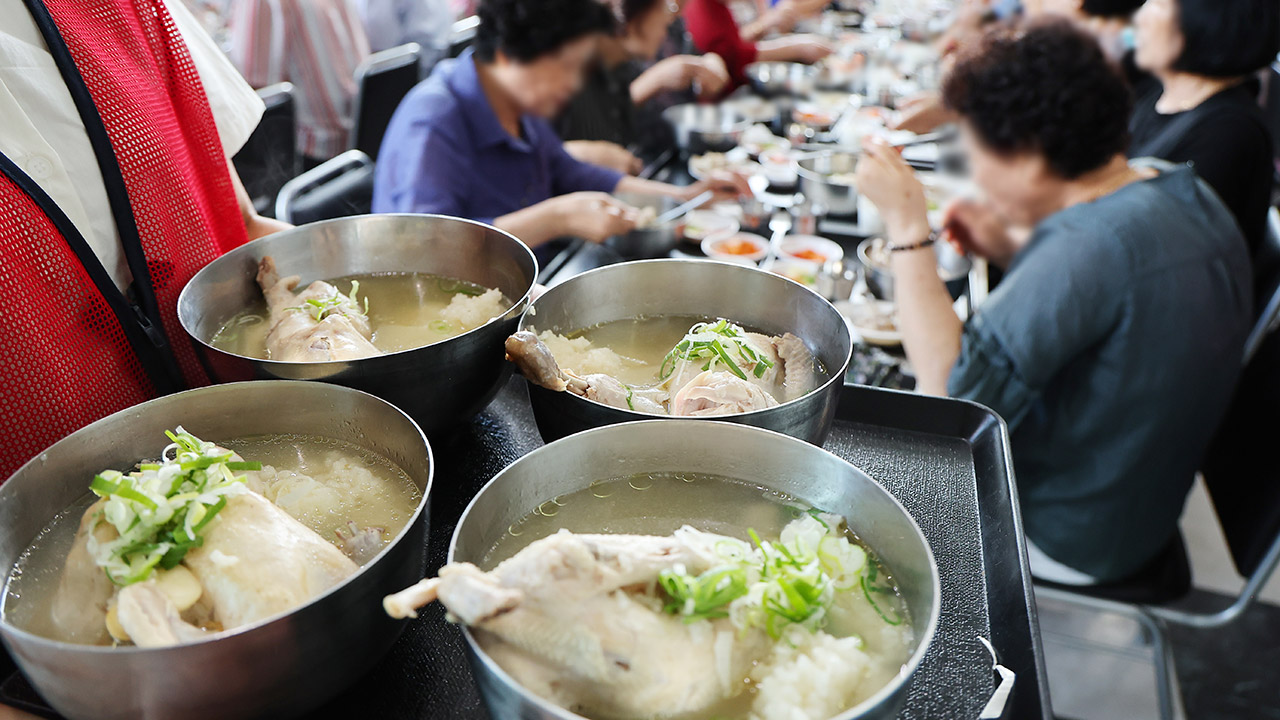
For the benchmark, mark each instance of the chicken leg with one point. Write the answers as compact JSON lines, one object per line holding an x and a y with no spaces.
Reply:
{"x":301,"y":332}
{"x":539,"y":366}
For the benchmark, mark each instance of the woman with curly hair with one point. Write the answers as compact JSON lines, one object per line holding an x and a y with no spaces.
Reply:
{"x":1114,"y":341}
{"x":473,"y":140}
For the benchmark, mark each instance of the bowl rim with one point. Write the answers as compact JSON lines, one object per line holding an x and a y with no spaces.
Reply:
{"x":816,"y":241}
{"x":768,"y":108}
{"x":836,"y":376}
{"x":7,"y":628}
{"x":904,"y":675}
{"x":810,"y":174}
{"x":751,"y":70}
{"x":738,"y":121}
{"x":517,"y":306}
{"x":727,"y":226}
{"x":708,"y":247}
{"x":872,"y":336}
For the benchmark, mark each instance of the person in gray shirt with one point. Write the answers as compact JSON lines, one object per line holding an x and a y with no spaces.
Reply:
{"x":1113,"y":344}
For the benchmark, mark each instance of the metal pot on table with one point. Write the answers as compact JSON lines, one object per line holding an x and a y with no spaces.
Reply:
{"x":281,"y":667}
{"x":440,"y":384}
{"x":705,"y":128}
{"x":756,"y":299}
{"x":815,"y":171}
{"x":766,"y":459}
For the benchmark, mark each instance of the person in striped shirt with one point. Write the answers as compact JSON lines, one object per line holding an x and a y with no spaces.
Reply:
{"x":314,"y":44}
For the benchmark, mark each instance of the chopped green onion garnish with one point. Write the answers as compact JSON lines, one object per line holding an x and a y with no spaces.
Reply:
{"x":774,"y":585}
{"x":346,"y":304}
{"x":160,"y":509}
{"x":716,"y":343}
{"x":244,"y":466}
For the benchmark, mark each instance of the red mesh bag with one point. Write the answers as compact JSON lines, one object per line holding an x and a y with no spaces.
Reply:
{"x":66,"y":361}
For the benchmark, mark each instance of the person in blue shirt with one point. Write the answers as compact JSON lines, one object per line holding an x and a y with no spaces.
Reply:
{"x":1112,"y":346}
{"x":473,"y":139}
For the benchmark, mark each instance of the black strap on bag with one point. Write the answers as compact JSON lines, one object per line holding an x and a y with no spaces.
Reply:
{"x":138,"y":316}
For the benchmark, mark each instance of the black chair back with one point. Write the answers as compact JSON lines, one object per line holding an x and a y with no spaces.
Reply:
{"x":339,"y":187}
{"x":1270,"y":101}
{"x":463,"y":32}
{"x":269,"y":157}
{"x":383,"y":79}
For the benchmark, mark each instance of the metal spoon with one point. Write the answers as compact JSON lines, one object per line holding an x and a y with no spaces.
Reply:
{"x":679,"y":210}
{"x":780,"y":224}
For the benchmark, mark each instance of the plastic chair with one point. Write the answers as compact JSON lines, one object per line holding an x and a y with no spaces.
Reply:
{"x":461,"y":35}
{"x":269,"y":157}
{"x":382,"y":81}
{"x":336,"y":188}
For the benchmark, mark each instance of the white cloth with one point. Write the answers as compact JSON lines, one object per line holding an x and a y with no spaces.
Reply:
{"x":389,"y":23}
{"x":1046,"y":568}
{"x":42,"y":133}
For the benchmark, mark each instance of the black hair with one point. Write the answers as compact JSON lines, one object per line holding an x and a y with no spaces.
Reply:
{"x":1047,"y":89}
{"x":630,"y":10}
{"x":1111,"y":8}
{"x":525,"y":30}
{"x":1228,"y":38}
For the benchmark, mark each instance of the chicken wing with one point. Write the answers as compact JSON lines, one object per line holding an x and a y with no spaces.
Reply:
{"x":320,"y":324}
{"x":568,"y":617}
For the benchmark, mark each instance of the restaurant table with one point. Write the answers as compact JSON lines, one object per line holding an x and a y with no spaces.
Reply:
{"x":947,"y":461}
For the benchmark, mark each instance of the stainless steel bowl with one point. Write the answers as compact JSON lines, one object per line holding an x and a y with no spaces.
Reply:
{"x":438,"y":385}
{"x":648,"y":242}
{"x":705,"y":128}
{"x":751,"y":297}
{"x":833,"y":78}
{"x":815,"y":172}
{"x":280,"y":667}
{"x":749,"y":454}
{"x":753,"y":108}
{"x":773,"y":79}
{"x":952,"y":267}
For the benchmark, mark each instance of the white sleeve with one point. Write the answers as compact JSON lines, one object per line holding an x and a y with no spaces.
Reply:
{"x":389,"y":23}
{"x":237,"y":109}
{"x":429,"y":23}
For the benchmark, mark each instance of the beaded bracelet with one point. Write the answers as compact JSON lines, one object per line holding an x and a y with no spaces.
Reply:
{"x":933,"y":237}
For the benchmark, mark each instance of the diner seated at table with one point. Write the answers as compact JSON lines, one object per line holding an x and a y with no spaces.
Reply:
{"x":601,"y":120}
{"x":1198,"y":104}
{"x":1107,"y":20}
{"x":473,"y":139}
{"x":714,"y":30}
{"x":1113,"y":344}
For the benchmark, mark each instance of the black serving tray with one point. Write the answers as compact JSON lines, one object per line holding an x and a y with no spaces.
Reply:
{"x":946,"y":460}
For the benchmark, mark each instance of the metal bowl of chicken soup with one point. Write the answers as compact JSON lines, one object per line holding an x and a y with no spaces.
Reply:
{"x":671,"y":543}
{"x":682,"y":338}
{"x":218,"y":553}
{"x":411,"y":308}
{"x":648,"y":239}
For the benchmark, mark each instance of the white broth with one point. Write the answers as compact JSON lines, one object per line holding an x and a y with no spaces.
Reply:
{"x":323,"y":483}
